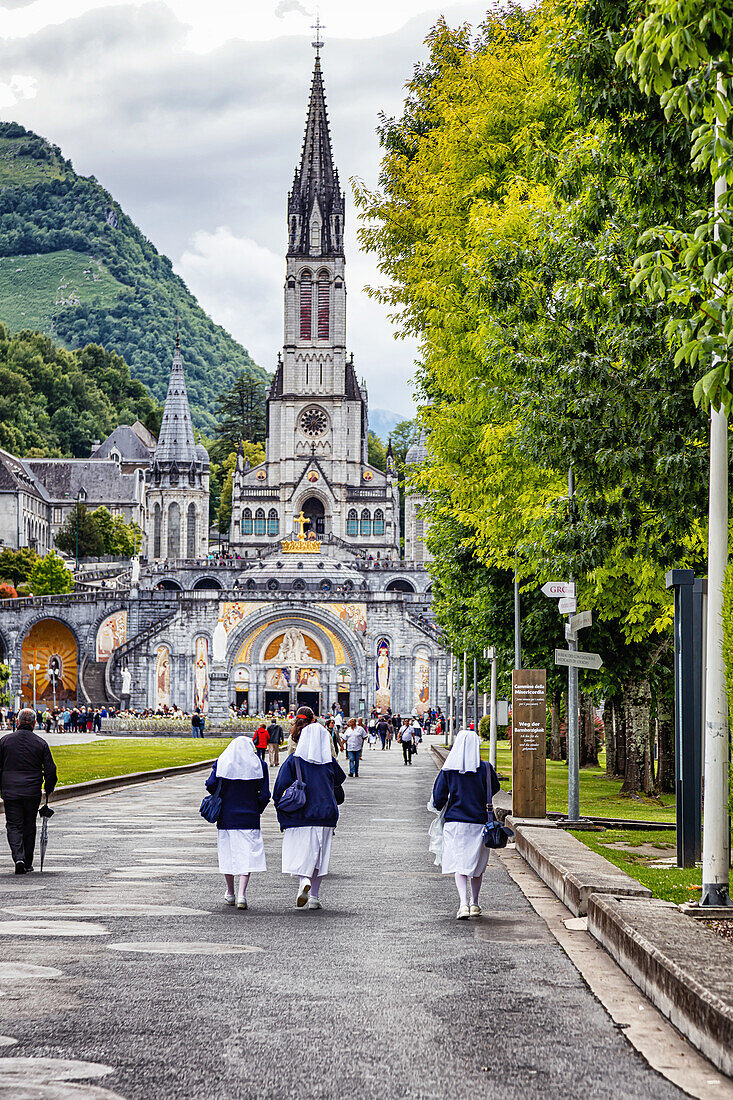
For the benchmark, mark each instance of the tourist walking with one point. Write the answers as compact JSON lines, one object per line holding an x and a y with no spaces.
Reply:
{"x":261,"y":740}
{"x":407,"y":740}
{"x":354,"y":744}
{"x":26,"y":765}
{"x":275,"y":737}
{"x":196,"y":724}
{"x":308,"y":827}
{"x":384,"y":730}
{"x":244,"y":792}
{"x":465,"y":787}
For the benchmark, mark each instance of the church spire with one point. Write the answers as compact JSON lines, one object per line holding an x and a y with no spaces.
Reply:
{"x":316,"y":202}
{"x":176,"y":442}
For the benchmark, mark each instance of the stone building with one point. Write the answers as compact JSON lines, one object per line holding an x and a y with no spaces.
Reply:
{"x":317,"y":416}
{"x":24,"y":506}
{"x":177,"y":498}
{"x":416,"y":552}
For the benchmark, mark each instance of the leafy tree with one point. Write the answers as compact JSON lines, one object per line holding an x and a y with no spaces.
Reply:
{"x":254,"y":453}
{"x":7,"y":592}
{"x":241,"y":413}
{"x":81,"y":532}
{"x":377,"y":452}
{"x":16,"y":565}
{"x":50,"y":577}
{"x":118,"y":536}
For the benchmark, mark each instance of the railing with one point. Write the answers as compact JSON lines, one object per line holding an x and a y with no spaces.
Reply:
{"x":66,"y":599}
{"x":428,"y":628}
{"x":177,"y":724}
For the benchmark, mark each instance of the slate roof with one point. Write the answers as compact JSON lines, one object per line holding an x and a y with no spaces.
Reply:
{"x":101,"y":479}
{"x":418,"y":452}
{"x":16,"y":474}
{"x":176,"y":442}
{"x":129,"y":444}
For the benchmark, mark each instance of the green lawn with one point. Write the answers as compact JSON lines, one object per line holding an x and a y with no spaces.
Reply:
{"x":599,"y":796}
{"x":641,"y":861}
{"x":99,"y":759}
{"x":34,"y":288}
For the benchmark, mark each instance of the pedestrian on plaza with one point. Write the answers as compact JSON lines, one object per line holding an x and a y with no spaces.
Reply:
{"x":407,"y":740}
{"x":338,"y":743}
{"x":309,"y":828}
{"x":354,"y":744}
{"x":465,"y":786}
{"x":383,"y":729}
{"x":275,"y":739}
{"x":261,"y":740}
{"x":245,"y":791}
{"x":196,"y":723}
{"x":372,"y":736}
{"x":26,"y":765}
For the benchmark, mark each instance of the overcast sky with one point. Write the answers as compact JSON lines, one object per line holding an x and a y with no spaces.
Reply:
{"x":191,"y":112}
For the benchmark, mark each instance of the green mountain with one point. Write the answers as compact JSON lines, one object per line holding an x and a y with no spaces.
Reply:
{"x":75,"y":267}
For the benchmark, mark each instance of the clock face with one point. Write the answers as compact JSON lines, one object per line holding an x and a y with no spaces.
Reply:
{"x":313,"y":422}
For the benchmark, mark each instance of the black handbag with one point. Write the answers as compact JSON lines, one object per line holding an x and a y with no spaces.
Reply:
{"x":210,"y":808}
{"x":496,"y":835}
{"x":293,"y":797}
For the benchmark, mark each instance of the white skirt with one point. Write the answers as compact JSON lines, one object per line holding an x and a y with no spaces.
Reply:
{"x":240,"y":851}
{"x":307,"y":849}
{"x":464,"y":852}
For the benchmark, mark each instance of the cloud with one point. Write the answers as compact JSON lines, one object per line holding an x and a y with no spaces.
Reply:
{"x":290,"y":7}
{"x":17,"y":88}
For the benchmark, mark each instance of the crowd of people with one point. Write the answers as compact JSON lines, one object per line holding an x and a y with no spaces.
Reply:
{"x":61,"y":719}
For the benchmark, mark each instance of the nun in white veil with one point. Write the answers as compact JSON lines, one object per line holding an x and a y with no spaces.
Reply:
{"x":245,"y":791}
{"x":463,"y":790}
{"x":308,"y":829}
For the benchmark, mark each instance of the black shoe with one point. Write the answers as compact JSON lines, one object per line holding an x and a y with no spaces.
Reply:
{"x":19,"y":867}
{"x":29,"y":870}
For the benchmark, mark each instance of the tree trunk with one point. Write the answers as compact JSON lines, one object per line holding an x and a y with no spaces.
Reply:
{"x":555,"y":748}
{"x":609,"y":737}
{"x":588,"y":742}
{"x":619,"y":736}
{"x":638,"y":776}
{"x":666,"y":780}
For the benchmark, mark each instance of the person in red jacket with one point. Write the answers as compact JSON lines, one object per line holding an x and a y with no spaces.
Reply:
{"x":261,"y":739}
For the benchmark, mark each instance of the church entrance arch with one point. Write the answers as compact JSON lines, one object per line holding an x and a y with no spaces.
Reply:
{"x":315,"y":514}
{"x":49,"y":663}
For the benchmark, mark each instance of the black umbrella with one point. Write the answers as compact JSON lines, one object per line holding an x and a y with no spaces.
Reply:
{"x":45,"y":812}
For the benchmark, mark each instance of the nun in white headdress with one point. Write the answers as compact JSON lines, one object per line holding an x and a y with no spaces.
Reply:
{"x":245,"y":791}
{"x":308,"y":828}
{"x":464,"y":788}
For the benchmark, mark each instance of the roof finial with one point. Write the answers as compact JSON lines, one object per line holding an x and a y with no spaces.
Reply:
{"x":178,"y":333}
{"x":318,"y":26}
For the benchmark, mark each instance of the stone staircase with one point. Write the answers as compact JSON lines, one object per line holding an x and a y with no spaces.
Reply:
{"x":92,"y":681}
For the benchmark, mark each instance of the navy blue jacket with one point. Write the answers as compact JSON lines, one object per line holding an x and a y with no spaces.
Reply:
{"x":466,"y":796}
{"x":324,"y":793}
{"x":242,"y":800}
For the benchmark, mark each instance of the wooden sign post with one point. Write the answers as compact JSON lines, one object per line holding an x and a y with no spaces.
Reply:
{"x":529,"y":732}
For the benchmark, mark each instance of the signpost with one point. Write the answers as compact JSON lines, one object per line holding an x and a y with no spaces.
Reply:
{"x":582,"y":620}
{"x":558,"y":589}
{"x":568,"y":605}
{"x":529,"y":722}
{"x":577,"y":659}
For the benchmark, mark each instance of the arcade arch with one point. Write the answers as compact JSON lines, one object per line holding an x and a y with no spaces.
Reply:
{"x":49,"y":644}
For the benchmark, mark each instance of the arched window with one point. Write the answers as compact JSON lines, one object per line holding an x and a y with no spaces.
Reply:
{"x":191,"y":532}
{"x":306,"y":305}
{"x":352,"y":522}
{"x":366,"y":522}
{"x":315,"y":236}
{"x":260,"y":521}
{"x":379,"y":522}
{"x":174,"y":530}
{"x":247,"y":521}
{"x":324,"y":307}
{"x":273,"y":522}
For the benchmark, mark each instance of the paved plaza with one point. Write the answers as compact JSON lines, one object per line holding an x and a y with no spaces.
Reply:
{"x":123,"y":973}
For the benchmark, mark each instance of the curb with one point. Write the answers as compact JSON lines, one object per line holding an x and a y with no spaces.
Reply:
{"x":684,"y":970}
{"x":94,"y":786}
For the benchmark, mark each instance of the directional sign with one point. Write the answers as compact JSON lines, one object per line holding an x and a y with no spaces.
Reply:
{"x":581,"y":620}
{"x":567,"y":605}
{"x":557,"y":589}
{"x":578,"y":660}
{"x":570,"y":635}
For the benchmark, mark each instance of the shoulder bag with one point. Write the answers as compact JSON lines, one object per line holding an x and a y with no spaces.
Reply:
{"x":210,"y":808}
{"x":293,"y":797}
{"x":495,"y":835}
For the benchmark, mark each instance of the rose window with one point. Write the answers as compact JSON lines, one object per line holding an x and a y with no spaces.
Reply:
{"x":313,"y":422}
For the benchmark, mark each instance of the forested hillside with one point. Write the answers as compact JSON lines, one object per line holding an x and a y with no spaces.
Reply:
{"x":56,"y":402}
{"x":74,"y":266}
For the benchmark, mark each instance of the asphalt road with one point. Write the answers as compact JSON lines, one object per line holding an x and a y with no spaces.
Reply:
{"x":381,"y":994}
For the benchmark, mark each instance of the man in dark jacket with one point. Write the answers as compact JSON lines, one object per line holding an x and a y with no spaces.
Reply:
{"x":275,"y":739}
{"x":25,"y":765}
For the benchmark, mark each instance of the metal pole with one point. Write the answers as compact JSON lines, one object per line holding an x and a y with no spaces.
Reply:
{"x":572,"y":716}
{"x":464,"y":698}
{"x":34,"y":687}
{"x":475,"y":695}
{"x":716,"y":828}
{"x":517,"y":625}
{"x":492,"y":727}
{"x":451,"y":697}
{"x":77,"y":535}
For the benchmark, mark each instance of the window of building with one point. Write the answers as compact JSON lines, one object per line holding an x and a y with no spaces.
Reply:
{"x":273,"y":522}
{"x":366,"y":522}
{"x":260,"y":521}
{"x":324,"y":307}
{"x":174,"y":530}
{"x":247,"y":521}
{"x":315,"y":236}
{"x":379,"y":522}
{"x":156,"y":531}
{"x":352,"y":523}
{"x":57,"y":515}
{"x":306,"y":305}
{"x":191,"y":532}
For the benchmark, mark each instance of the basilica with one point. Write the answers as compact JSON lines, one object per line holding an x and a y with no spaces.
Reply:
{"x":315,"y":602}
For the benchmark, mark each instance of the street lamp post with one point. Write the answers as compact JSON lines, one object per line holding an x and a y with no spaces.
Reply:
{"x":34,"y":669}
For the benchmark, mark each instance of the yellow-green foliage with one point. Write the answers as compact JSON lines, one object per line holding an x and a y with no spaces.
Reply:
{"x":728,"y":655}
